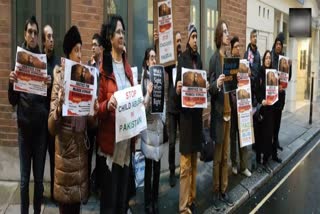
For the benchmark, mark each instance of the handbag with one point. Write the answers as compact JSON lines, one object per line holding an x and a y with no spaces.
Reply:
{"x":207,"y":146}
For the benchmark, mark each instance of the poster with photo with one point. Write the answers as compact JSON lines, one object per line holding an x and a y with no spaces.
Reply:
{"x":283,"y":71}
{"x":80,"y":88}
{"x":230,"y":70}
{"x":194,"y":91}
{"x":243,"y":74}
{"x":130,"y":113}
{"x":244,"y":110}
{"x":157,"y":79}
{"x":31,"y":71}
{"x":271,"y":86}
{"x":164,"y":19}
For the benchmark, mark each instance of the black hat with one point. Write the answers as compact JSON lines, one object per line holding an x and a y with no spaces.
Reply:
{"x":279,"y":38}
{"x":71,"y":38}
{"x":233,"y":41}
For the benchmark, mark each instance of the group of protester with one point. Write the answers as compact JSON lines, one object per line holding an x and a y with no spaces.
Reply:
{"x":72,"y":140}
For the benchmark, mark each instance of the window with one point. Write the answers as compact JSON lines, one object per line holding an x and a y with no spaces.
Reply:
{"x":208,"y":21}
{"x":46,"y":12}
{"x":142,"y":31}
{"x":259,"y":10}
{"x":195,"y":19}
{"x":264,"y":10}
{"x":268,"y":14}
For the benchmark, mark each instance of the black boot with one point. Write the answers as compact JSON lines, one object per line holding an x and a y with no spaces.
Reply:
{"x":172,"y":179}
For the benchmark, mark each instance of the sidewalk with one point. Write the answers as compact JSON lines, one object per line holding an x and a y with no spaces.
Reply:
{"x":294,"y":134}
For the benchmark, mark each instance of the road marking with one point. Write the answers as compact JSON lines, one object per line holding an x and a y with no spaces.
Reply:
{"x":283,"y":180}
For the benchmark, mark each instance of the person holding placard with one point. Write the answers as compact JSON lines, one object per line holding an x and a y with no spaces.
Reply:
{"x":114,"y":158}
{"x":32,"y":114}
{"x":234,"y":130}
{"x":71,"y":177}
{"x":265,"y":143}
{"x":151,"y":139}
{"x":190,"y":127}
{"x":220,"y":116}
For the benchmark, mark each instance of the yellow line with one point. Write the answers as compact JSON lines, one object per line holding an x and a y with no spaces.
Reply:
{"x":283,"y":180}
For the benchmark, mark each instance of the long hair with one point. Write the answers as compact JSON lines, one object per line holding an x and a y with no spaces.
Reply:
{"x":218,"y":36}
{"x":145,"y":68}
{"x":264,"y":58}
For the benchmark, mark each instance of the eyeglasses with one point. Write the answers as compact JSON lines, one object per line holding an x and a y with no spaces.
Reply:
{"x":153,"y":57}
{"x":120,"y":31}
{"x":30,"y":32}
{"x":225,"y":31}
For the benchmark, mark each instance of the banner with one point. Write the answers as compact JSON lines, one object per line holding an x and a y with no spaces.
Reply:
{"x":135,"y":75}
{"x":31,"y":71}
{"x":130,"y":113}
{"x":283,"y":70}
{"x":243,"y":75}
{"x":157,"y":79}
{"x":271,"y":86}
{"x":80,"y":88}
{"x":230,"y":70}
{"x":244,"y":109}
{"x":194,"y":90}
{"x":165,"y":29}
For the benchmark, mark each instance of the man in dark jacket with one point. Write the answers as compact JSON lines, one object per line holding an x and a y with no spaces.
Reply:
{"x":253,"y":56}
{"x":190,"y":128}
{"x":32,"y":114}
{"x":52,"y":61}
{"x":277,"y":50}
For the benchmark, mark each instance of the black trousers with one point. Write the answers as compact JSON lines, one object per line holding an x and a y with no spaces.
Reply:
{"x":114,"y":188}
{"x":266,"y":133}
{"x":91,"y":133}
{"x":174,"y":122}
{"x":151,"y":187}
{"x":69,"y":208}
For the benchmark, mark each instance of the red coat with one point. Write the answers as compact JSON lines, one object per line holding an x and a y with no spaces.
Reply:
{"x":106,"y":129}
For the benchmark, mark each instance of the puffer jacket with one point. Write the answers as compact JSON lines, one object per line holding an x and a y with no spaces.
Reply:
{"x":71,"y":151}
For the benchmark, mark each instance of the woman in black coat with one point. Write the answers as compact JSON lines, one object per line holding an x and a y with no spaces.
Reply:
{"x":264,"y":143}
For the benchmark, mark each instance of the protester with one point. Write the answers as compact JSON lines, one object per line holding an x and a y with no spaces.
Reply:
{"x":220,"y":116}
{"x":71,"y":176}
{"x":277,"y":50}
{"x":151,"y":139}
{"x":234,"y":132}
{"x":190,"y":127}
{"x":115,"y":74}
{"x":172,"y":112}
{"x":32,"y":114}
{"x":95,"y":61}
{"x":52,"y":61}
{"x":264,"y":145}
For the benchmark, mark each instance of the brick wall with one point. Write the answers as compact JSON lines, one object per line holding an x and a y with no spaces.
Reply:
{"x":8,"y":130}
{"x":234,"y":12}
{"x":87,"y":15}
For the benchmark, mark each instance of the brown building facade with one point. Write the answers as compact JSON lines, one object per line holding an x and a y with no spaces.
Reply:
{"x":88,"y":15}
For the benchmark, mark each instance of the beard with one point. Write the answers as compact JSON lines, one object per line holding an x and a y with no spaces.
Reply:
{"x":179,"y":50}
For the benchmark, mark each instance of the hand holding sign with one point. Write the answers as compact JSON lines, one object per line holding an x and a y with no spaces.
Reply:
{"x":112,"y":104}
{"x":13,"y":77}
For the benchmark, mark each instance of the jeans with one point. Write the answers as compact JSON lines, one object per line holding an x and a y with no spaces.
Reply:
{"x":32,"y":149}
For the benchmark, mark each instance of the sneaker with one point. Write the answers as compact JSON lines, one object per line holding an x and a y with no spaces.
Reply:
{"x":277,"y":159}
{"x":226,"y":199}
{"x":172,"y":180}
{"x":279,"y":148}
{"x":266,"y":168}
{"x":234,"y":170}
{"x":246,"y":172}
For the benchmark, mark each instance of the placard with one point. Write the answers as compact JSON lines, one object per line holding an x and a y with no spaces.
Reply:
{"x":194,"y":91}
{"x":31,"y":71}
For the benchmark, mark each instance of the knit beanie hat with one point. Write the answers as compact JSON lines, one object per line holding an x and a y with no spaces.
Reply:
{"x":71,"y":38}
{"x":191,"y":28}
